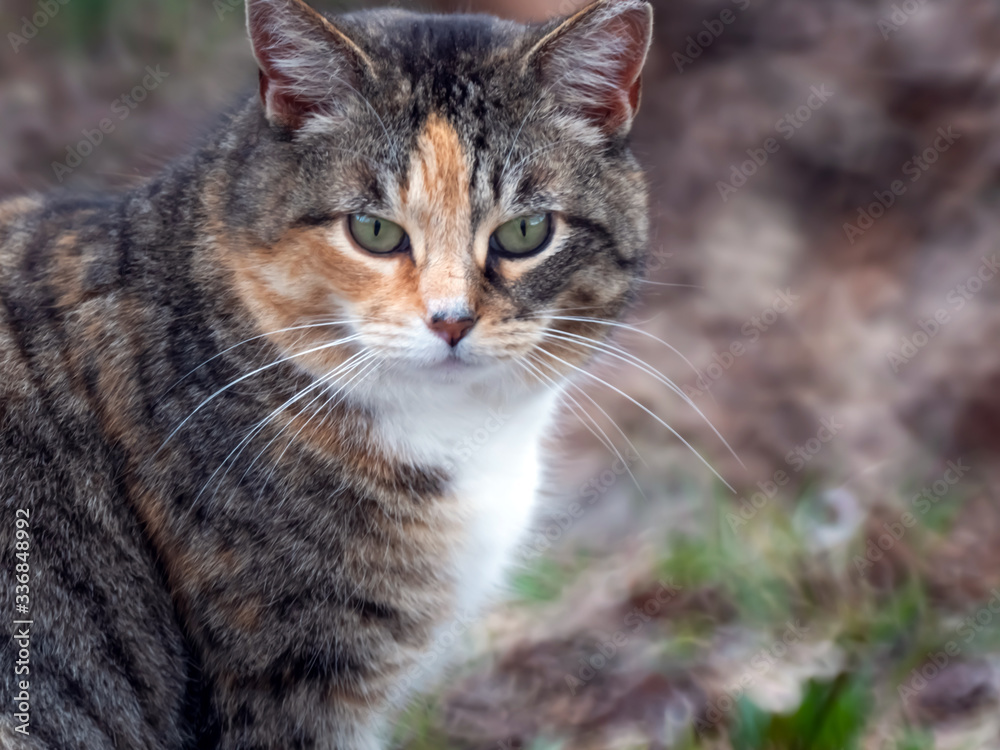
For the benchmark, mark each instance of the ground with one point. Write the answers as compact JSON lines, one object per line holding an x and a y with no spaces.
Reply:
{"x":824,"y":197}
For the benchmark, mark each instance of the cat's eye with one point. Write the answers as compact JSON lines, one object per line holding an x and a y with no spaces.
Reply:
{"x":377,"y":235}
{"x":523,"y":236}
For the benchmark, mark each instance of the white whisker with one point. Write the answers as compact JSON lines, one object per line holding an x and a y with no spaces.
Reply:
{"x":627,"y":327}
{"x":637,"y":362}
{"x":599,"y":408}
{"x":254,"y":338}
{"x":517,"y":135}
{"x":647,"y":411}
{"x":664,"y":283}
{"x":539,"y":150}
{"x":603,"y":437}
{"x":393,"y":146}
{"x":366,"y":365}
{"x":256,"y":429}
{"x":240,"y":379}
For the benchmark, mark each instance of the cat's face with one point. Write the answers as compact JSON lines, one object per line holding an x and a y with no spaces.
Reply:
{"x":448,"y":188}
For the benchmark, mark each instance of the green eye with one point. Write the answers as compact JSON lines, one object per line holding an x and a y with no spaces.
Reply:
{"x":523,"y":235}
{"x":376,"y":235}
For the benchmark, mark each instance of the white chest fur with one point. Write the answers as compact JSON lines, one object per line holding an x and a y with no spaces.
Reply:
{"x":492,"y":446}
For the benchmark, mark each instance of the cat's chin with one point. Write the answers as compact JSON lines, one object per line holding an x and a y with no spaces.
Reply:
{"x":455,"y":364}
{"x":456,"y":370}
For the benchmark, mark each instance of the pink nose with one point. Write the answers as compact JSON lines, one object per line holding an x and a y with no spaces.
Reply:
{"x":451,"y":330}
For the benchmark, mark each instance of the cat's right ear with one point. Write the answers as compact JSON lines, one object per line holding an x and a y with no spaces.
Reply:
{"x":307,"y":65}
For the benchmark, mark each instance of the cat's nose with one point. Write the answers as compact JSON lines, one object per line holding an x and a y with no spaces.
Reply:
{"x":451,"y":329}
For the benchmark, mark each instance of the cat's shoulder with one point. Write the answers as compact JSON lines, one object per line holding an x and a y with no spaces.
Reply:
{"x":13,"y":210}
{"x":31,"y":223}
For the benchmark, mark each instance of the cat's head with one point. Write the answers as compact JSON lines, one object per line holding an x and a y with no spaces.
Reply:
{"x":449,"y":188}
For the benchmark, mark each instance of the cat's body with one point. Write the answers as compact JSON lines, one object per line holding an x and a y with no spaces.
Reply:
{"x":225,"y":552}
{"x":100,"y":409}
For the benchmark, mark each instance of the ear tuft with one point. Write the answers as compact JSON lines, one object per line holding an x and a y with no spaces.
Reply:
{"x":307,"y":65}
{"x":593,"y":61}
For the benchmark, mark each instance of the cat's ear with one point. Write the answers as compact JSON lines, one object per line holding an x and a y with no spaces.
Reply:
{"x":592,"y":61}
{"x":307,"y":65}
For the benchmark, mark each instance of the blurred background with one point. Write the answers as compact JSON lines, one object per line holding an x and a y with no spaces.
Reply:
{"x":824,"y":291}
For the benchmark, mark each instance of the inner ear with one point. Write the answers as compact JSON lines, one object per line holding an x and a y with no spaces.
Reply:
{"x":307,"y":64}
{"x":592,"y":61}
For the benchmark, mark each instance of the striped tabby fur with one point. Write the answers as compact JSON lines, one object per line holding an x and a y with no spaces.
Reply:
{"x":236,"y":435}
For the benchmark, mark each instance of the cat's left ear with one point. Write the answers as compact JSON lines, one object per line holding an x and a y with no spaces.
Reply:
{"x":592,"y":61}
{"x":307,"y":65}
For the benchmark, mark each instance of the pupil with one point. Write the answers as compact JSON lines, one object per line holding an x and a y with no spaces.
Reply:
{"x":524,"y":228}
{"x":378,"y":227}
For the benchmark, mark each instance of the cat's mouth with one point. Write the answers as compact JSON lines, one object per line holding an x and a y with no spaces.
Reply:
{"x":457,"y":365}
{"x":455,"y":362}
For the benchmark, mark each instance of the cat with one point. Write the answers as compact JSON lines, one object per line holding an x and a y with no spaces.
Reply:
{"x":245,"y":498}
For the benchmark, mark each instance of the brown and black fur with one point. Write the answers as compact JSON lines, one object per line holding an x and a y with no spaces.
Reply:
{"x":279,"y":603}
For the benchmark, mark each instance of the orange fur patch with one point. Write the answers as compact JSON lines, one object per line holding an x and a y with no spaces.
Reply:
{"x":317,"y":273}
{"x":437,"y":204}
{"x":301,"y":279}
{"x":308,"y":273}
{"x":442,"y":163}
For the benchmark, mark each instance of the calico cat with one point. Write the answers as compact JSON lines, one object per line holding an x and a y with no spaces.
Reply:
{"x":238,"y":511}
